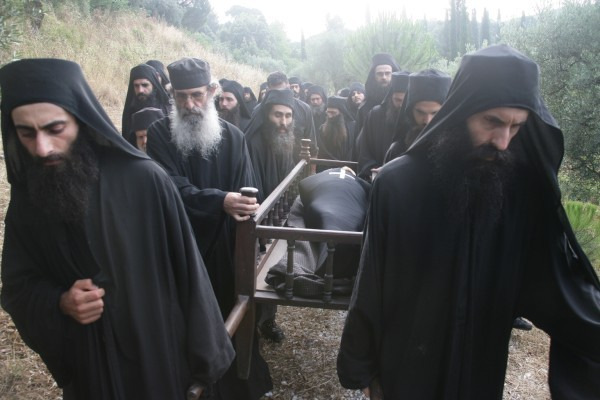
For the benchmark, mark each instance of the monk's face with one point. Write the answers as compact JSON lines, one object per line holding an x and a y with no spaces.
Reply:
{"x":296,"y":88}
{"x":46,"y":131}
{"x":424,"y":111}
{"x":227,"y":101}
{"x":496,"y":127}
{"x":316,"y":100}
{"x":193,"y":99}
{"x":398,"y":99}
{"x":281,"y":117}
{"x":142,"y":88}
{"x":357,"y":97}
{"x":332,"y":112}
{"x":383,"y":75}
{"x":141,"y":138}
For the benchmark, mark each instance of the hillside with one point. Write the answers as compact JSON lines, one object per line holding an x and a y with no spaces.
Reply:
{"x":107,"y":46}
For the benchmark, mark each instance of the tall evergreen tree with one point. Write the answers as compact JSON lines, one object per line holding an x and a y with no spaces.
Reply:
{"x":475,"y":41}
{"x":485,"y":28}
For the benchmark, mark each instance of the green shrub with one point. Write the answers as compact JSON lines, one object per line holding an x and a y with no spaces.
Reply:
{"x":585,"y":220}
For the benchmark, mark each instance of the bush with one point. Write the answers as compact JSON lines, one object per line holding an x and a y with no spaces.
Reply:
{"x":585,"y":220}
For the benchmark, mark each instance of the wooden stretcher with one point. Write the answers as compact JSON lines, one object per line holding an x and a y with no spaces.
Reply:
{"x":251,"y":266}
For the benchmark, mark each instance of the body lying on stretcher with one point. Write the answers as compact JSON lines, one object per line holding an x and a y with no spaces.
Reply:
{"x":335,"y":199}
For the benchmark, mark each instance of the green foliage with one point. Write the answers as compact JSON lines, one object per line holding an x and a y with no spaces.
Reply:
{"x":409,"y":43}
{"x":566,"y":44}
{"x":249,"y":39}
{"x":585,"y":220}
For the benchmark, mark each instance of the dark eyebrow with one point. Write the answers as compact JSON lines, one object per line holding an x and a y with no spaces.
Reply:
{"x":47,"y":126}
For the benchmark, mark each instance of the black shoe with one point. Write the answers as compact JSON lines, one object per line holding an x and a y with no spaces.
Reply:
{"x":271,"y":331}
{"x":522,"y":324}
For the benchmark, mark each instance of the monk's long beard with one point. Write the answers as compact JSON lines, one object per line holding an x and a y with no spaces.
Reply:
{"x":231,"y":116}
{"x":474,"y":180}
{"x":391,"y":114}
{"x":280,"y":143}
{"x":335,"y":131}
{"x":196,"y":130}
{"x":62,"y":192}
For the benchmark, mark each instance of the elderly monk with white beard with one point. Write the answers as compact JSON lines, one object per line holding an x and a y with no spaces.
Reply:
{"x":208,"y":161}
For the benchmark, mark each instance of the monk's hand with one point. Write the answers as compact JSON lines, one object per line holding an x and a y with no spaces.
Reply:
{"x":239,"y":207}
{"x":83,"y":302}
{"x":367,"y":392}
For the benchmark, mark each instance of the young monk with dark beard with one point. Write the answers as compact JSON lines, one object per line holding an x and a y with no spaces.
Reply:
{"x":336,"y":136}
{"x":100,"y":270}
{"x":465,"y":233}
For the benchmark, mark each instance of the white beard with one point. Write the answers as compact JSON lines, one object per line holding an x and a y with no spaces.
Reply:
{"x":196,"y":130}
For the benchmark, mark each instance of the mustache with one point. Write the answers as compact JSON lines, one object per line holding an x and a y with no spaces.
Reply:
{"x":490,"y":153}
{"x":40,"y":161}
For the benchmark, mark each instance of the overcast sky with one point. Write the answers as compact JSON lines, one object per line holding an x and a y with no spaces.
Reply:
{"x":309,"y":15}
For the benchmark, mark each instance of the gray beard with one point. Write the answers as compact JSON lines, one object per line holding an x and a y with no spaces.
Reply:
{"x":196,"y":130}
{"x":280,"y":143}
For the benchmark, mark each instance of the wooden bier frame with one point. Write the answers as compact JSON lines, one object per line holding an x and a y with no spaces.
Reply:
{"x":251,"y":267}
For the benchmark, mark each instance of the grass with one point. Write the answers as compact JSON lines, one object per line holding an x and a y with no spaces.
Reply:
{"x":107,"y":46}
{"x":585,"y":220}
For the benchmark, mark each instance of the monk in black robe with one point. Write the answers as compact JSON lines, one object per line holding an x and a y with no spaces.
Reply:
{"x":317,"y":99}
{"x":208,"y":161}
{"x":144,"y":91}
{"x":303,"y":122}
{"x":380,"y":127}
{"x":356,"y":97}
{"x":271,"y":140}
{"x":336,"y":136}
{"x":377,"y":85}
{"x":100,"y":270}
{"x":427,"y":91}
{"x":465,"y":232}
{"x":249,"y":99}
{"x":232,"y":107}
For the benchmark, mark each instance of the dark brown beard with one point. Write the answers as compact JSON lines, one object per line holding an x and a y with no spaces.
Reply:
{"x":473,"y":180}
{"x":335,"y":131}
{"x":62,"y":192}
{"x":151,"y":101}
{"x":231,"y":116}
{"x":391,"y":113}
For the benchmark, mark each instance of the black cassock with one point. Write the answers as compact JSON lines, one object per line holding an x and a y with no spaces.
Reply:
{"x":374,"y":140}
{"x":203,"y":184}
{"x":434,"y":301}
{"x":161,"y":328}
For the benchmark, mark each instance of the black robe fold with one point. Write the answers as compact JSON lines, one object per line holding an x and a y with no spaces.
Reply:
{"x":151,"y":341}
{"x":374,"y":140}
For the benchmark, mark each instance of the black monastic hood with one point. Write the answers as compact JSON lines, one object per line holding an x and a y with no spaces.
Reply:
{"x":237,"y":90}
{"x":59,"y":82}
{"x":399,"y":84}
{"x":370,"y":84}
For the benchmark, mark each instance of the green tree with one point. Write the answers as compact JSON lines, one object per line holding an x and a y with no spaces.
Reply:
{"x":486,"y":36}
{"x":412,"y":46}
{"x":566,"y":44}
{"x":199,"y":17}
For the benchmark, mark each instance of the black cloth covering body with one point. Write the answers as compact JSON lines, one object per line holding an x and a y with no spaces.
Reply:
{"x":203,"y":184}
{"x":435,"y":298}
{"x":329,"y":200}
{"x":161,"y":328}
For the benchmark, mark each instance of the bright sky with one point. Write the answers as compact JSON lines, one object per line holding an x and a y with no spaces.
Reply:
{"x":310,"y":15}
